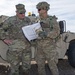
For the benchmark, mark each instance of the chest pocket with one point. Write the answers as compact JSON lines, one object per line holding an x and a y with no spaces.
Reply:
{"x":15,"y":30}
{"x":47,"y":24}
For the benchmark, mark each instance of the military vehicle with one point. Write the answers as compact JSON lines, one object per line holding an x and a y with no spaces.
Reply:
{"x":3,"y":18}
{"x":3,"y":46}
{"x":65,"y":45}
{"x":4,"y":65}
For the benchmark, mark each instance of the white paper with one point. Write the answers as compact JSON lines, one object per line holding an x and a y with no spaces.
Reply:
{"x":30,"y":31}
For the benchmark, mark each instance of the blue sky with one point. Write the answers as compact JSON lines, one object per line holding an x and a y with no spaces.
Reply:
{"x":63,"y":9}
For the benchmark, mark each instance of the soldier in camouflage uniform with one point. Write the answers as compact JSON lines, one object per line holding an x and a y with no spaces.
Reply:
{"x":46,"y":44}
{"x":18,"y":45}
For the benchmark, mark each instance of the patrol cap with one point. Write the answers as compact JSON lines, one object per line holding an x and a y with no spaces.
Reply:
{"x":43,"y":5}
{"x":20,"y":8}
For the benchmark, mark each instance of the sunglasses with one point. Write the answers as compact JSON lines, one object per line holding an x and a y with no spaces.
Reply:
{"x":39,"y":9}
{"x":21,"y":13}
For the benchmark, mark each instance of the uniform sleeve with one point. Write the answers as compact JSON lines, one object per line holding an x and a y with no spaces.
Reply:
{"x":6,"y":24}
{"x":3,"y":30}
{"x":55,"y":30}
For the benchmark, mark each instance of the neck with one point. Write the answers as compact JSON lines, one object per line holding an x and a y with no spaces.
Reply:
{"x":45,"y":15}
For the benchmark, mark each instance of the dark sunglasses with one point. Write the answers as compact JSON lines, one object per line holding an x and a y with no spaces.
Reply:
{"x":21,"y":13}
{"x":39,"y":9}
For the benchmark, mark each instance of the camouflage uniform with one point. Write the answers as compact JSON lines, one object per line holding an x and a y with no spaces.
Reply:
{"x":18,"y":49}
{"x":46,"y":46}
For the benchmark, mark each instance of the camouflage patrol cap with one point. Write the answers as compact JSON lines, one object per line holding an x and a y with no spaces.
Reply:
{"x":20,"y":8}
{"x":43,"y":5}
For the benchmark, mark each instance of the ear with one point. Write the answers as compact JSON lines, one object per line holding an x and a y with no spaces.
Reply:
{"x":16,"y":11}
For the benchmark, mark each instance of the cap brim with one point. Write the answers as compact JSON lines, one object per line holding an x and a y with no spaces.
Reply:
{"x":21,"y":11}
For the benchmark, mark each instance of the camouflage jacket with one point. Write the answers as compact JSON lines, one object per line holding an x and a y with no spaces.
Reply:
{"x":50,"y":26}
{"x":12,"y":28}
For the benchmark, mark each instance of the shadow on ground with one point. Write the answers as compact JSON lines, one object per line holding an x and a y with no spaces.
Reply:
{"x":63,"y":66}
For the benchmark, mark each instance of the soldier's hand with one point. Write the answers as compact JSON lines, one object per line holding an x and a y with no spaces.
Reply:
{"x":42,"y":34}
{"x":7,"y":41}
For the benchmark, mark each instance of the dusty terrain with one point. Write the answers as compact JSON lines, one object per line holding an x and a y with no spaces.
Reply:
{"x":63,"y":66}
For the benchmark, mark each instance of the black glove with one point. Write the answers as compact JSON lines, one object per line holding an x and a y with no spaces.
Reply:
{"x":43,"y":34}
{"x":43,"y":25}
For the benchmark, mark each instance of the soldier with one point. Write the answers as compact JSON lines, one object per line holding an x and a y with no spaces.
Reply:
{"x":32,"y":17}
{"x":46,"y":44}
{"x":18,"y":45}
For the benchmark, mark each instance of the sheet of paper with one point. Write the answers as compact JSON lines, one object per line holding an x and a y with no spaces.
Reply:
{"x":30,"y":31}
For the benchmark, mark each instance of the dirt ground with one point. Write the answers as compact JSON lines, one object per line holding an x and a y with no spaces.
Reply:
{"x":63,"y":66}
